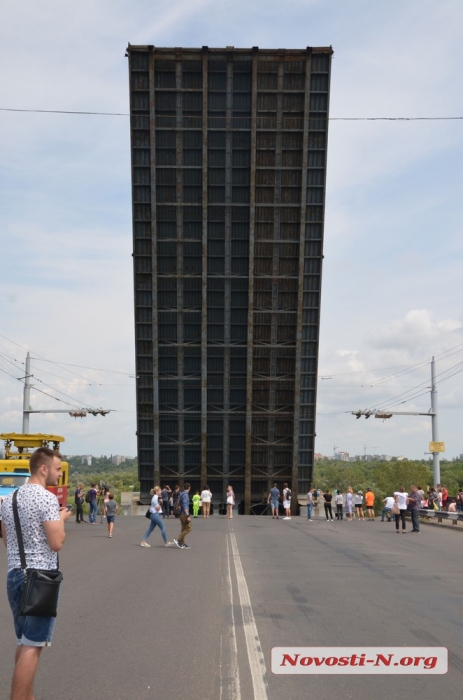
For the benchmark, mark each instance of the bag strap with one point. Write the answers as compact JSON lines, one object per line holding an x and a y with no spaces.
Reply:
{"x":19,"y":533}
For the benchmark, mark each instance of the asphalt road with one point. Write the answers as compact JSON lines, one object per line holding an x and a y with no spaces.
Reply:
{"x":138,"y":623}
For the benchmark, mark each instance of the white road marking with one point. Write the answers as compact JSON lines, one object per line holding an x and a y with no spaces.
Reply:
{"x":255,"y":655}
{"x":231,"y":664}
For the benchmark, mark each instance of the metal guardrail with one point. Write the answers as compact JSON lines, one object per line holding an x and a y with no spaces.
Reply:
{"x":260,"y":508}
{"x":441,"y":515}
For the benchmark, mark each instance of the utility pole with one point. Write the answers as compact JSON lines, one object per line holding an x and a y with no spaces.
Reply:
{"x":384,"y":415}
{"x":27,"y":410}
{"x":434,"y":425}
{"x":27,"y":395}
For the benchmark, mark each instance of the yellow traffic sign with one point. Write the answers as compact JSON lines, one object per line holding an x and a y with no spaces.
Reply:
{"x":437,"y":446}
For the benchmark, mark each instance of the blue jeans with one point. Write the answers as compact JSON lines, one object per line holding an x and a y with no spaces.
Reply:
{"x":309,"y":511}
{"x":93,"y":512}
{"x":30,"y":631}
{"x":156,"y":520}
{"x":415,"y":522}
{"x":384,"y":511}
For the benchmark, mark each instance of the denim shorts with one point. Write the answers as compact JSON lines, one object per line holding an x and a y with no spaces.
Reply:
{"x":274,"y":503}
{"x":31,"y":631}
{"x":110,"y":518}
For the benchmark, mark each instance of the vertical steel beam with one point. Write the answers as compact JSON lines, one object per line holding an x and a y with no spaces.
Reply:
{"x":204,"y":478}
{"x":250,"y":333}
{"x":179,"y":250}
{"x":227,"y":269}
{"x":275,"y":274}
{"x":154,"y":270}
{"x":300,"y":289}
{"x":325,"y":164}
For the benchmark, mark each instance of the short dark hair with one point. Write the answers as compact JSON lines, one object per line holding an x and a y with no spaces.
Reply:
{"x":186,"y":485}
{"x":42,"y":456}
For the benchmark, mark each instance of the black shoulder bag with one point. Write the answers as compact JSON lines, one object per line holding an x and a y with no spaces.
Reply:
{"x":41,"y":586}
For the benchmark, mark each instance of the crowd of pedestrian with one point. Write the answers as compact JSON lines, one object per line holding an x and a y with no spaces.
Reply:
{"x":396,"y":505}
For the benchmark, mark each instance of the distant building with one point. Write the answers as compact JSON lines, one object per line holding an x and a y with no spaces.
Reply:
{"x":118,"y":459}
{"x":87,"y":460}
{"x":318,"y":455}
{"x":342,"y":456}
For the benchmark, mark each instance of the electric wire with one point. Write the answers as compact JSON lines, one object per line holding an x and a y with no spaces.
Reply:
{"x":416,"y":392}
{"x":333,"y":119}
{"x":9,"y":374}
{"x":86,"y":382}
{"x":41,"y":358}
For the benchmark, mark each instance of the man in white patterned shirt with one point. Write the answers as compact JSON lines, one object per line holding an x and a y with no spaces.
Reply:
{"x":42,"y":525}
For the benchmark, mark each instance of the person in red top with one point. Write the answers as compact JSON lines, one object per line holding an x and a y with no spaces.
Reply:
{"x":370,"y":502}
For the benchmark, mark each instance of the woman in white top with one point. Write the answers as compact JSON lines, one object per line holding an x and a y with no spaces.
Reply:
{"x":349,"y":499}
{"x":358,"y":502}
{"x":206,"y":498}
{"x":155,"y":518}
{"x":400,"y":498}
{"x":230,"y":501}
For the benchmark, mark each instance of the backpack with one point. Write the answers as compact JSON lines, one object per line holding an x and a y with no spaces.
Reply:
{"x":89,"y":496}
{"x":288,"y":494}
{"x":178,"y":507}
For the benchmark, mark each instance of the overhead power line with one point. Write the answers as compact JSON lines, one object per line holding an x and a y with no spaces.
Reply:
{"x":65,"y":111}
{"x":332,"y":119}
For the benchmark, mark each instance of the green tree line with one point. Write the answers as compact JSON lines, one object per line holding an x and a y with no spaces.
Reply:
{"x":122,"y":477}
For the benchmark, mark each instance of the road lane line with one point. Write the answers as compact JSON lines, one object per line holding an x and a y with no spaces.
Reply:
{"x":255,"y":655}
{"x":230,"y":688}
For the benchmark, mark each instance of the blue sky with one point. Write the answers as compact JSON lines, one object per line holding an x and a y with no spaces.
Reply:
{"x":393,"y":246}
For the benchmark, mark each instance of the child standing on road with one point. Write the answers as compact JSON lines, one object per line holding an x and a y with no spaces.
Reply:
{"x":196,"y":503}
{"x":110,"y":510}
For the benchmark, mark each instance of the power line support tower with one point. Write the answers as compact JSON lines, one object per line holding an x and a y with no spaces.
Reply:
{"x":434,"y":421}
{"x":434,"y":424}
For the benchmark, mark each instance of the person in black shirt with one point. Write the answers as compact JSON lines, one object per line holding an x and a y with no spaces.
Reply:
{"x":79,"y":501}
{"x":327,"y":497}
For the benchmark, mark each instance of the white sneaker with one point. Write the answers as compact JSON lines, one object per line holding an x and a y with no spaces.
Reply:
{"x":168,"y":544}
{"x":144,"y":544}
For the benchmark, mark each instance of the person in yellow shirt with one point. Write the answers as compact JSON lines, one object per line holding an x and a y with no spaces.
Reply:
{"x":370,"y":503}
{"x":196,"y":503}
